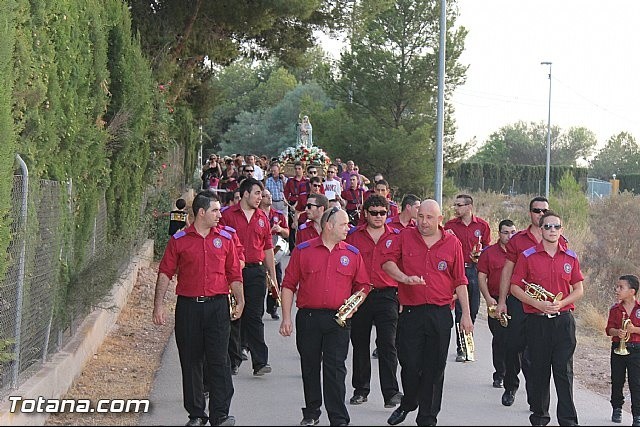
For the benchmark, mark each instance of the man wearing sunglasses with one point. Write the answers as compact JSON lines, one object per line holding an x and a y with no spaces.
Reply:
{"x":380,"y":308}
{"x":316,"y":205}
{"x":474,"y":233}
{"x":516,"y":355}
{"x":550,"y":327}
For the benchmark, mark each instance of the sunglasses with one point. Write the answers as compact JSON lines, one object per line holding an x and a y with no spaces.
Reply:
{"x":539,"y":210}
{"x":550,"y":226}
{"x":248,"y":170}
{"x":334,"y":210}
{"x":377,"y":213}
{"x":316,"y":185}
{"x":309,"y":205}
{"x":331,"y":172}
{"x":313,"y":172}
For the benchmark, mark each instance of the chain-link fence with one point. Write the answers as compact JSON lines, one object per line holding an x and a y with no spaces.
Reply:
{"x":39,"y":249}
{"x":598,"y":189}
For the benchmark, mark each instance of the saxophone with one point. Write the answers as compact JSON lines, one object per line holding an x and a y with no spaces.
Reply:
{"x":466,"y":344}
{"x":622,"y":348}
{"x":349,"y":307}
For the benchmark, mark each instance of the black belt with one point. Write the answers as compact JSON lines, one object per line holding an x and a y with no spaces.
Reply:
{"x":551,"y":316}
{"x":277,"y":200}
{"x":385,"y":289}
{"x":252,"y":264}
{"x":202,"y":299}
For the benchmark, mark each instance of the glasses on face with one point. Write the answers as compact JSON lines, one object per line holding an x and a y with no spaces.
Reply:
{"x":539,"y":210}
{"x":459,"y":205}
{"x":377,"y":213}
{"x":313,"y":172}
{"x":309,"y":205}
{"x":248,"y":171}
{"x":316,"y":185}
{"x":331,"y":171}
{"x":550,"y":226}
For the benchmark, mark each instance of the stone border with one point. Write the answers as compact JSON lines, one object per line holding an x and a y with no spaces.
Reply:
{"x":56,"y":376}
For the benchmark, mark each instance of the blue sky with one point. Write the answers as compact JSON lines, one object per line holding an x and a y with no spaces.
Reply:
{"x":593,"y":46}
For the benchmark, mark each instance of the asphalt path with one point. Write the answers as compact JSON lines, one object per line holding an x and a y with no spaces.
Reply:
{"x":276,"y":398}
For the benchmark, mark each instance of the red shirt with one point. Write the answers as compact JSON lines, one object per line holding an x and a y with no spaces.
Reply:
{"x":354,"y":198}
{"x":478,"y":228}
{"x":255,"y":235}
{"x":294,"y":189}
{"x":206,"y":266}
{"x":523,"y":240}
{"x":306,"y":231}
{"x":394,"y":222}
{"x":236,"y":240}
{"x":325,"y":279}
{"x":371,"y":253}
{"x":491,"y":261}
{"x":616,"y":313}
{"x":555,"y":274}
{"x":441,"y":267}
{"x":277,"y":217}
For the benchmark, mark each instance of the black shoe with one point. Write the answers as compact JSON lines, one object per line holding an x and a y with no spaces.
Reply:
{"x":460,"y":357}
{"x":265,"y":369}
{"x":497,"y":383}
{"x":357,"y":399}
{"x":636,"y":420}
{"x":395,"y":400}
{"x":508,"y":397}
{"x":616,"y":416}
{"x":244,"y":354}
{"x":309,"y":421}
{"x":234,"y":370}
{"x":197,"y":422}
{"x":397,"y":416}
{"x":275,"y":315}
{"x":375,"y":353}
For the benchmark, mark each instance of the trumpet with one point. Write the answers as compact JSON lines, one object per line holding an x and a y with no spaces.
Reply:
{"x":466,"y":344}
{"x":503,"y":318}
{"x":273,"y":288}
{"x":232,"y":304}
{"x":622,"y":348}
{"x":539,"y":293}
{"x":349,"y":307}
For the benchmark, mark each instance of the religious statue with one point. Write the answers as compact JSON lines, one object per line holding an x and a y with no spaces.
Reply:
{"x":305,"y":133}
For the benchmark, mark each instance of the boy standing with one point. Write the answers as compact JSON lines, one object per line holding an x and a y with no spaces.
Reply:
{"x":626,"y":308}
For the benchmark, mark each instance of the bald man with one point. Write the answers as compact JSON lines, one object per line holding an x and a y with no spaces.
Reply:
{"x":425,"y":293}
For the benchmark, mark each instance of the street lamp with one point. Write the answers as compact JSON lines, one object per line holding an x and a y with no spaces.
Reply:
{"x":546,"y":185}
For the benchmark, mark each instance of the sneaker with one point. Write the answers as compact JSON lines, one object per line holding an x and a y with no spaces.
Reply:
{"x":636,"y":420}
{"x":309,"y":421}
{"x":196,"y":422}
{"x":497,"y":383}
{"x":357,"y":399}
{"x":616,"y":416}
{"x":234,"y":370}
{"x":460,"y":358}
{"x":275,"y":315}
{"x":375,"y":353}
{"x":244,"y":354}
{"x":395,"y":400}
{"x":266,"y":369}
{"x":228,"y":420}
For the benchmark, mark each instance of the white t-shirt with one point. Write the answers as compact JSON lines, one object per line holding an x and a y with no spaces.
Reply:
{"x":257,"y":173}
{"x":332,"y":189}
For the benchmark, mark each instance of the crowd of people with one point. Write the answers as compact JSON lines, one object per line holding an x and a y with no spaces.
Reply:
{"x":401,"y":268}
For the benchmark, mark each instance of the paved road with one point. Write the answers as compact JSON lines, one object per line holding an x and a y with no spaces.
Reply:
{"x":276,"y":398}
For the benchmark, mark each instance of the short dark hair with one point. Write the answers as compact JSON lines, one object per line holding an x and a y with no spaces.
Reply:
{"x":315,"y":179}
{"x":632,"y":280}
{"x":468,"y":199}
{"x":505,"y":223}
{"x":181,"y":203}
{"x":321,"y":200}
{"x":247,"y":184}
{"x":228,"y":197}
{"x":537,"y":199}
{"x":382,"y":182}
{"x":548,"y":214}
{"x":376,"y":200}
{"x":409,"y":199}
{"x":298,"y":163}
{"x":203,"y":200}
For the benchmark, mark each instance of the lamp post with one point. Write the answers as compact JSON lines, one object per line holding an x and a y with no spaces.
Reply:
{"x":548,"y":169}
{"x":440,"y":110}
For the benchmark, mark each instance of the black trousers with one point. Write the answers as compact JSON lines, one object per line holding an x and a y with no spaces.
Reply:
{"x":424,"y":332}
{"x":498,"y":347}
{"x":381,"y":308}
{"x":474,"y":299}
{"x":552,"y":343}
{"x":202,"y":334}
{"x":323,"y":344}
{"x":517,"y":352}
{"x":621,"y":368}
{"x":235,"y":345}
{"x":271,"y":303}
{"x":252,"y":326}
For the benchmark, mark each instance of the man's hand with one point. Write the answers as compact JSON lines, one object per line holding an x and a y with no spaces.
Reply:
{"x":286,"y":327}
{"x":159,"y":317}
{"x":414,"y":280}
{"x":466,"y":324}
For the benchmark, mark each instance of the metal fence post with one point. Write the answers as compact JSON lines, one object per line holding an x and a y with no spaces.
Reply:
{"x":21,"y":268}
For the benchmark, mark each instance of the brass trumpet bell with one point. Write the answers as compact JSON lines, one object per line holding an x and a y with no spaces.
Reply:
{"x":349,"y":306}
{"x":503,"y":318}
{"x":539,"y":293}
{"x":622,"y":348}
